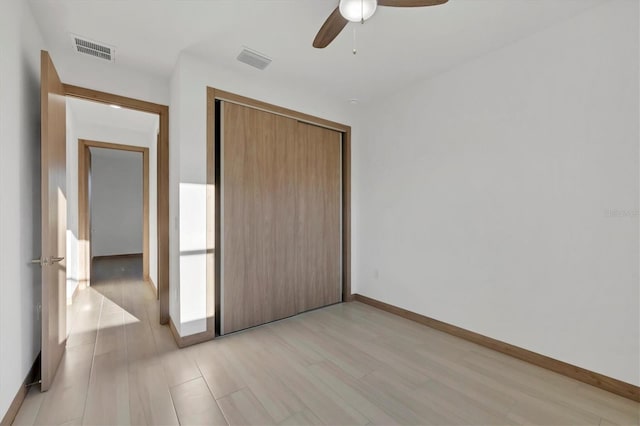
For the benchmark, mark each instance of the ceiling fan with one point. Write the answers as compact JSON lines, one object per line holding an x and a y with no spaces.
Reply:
{"x":359,"y":11}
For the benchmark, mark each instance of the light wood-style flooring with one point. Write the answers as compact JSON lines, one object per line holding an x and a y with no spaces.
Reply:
{"x":348,"y":364}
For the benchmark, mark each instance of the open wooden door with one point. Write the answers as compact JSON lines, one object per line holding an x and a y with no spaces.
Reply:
{"x":54,"y":220}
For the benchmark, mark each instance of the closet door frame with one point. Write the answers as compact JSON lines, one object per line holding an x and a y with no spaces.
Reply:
{"x":213,"y":212}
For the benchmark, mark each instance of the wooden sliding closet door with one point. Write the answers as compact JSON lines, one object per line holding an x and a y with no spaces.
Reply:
{"x":318,"y":224}
{"x":281,"y":193}
{"x":259,"y":151}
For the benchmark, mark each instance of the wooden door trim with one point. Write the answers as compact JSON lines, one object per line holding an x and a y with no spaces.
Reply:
{"x":162,"y":179}
{"x":346,"y":216}
{"x":212,"y":213}
{"x":221,"y":95}
{"x":84,"y":216}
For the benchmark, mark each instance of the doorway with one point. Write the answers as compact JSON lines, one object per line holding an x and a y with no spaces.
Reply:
{"x":54,"y":260}
{"x":158,"y":189}
{"x":116,"y":210}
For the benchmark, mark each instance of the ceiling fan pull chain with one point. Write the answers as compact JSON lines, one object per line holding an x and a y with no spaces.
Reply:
{"x":355,"y":50}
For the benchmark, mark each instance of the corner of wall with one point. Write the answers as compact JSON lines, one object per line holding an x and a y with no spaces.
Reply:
{"x":174,"y":194}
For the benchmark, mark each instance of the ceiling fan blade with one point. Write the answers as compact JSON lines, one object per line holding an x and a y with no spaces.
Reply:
{"x":410,"y":3}
{"x":330,"y":29}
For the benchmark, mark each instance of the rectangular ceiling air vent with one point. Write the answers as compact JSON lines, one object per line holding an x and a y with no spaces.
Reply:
{"x":253,"y":58}
{"x":93,"y":48}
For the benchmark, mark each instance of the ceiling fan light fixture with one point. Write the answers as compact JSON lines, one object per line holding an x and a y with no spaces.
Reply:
{"x":358,"y":10}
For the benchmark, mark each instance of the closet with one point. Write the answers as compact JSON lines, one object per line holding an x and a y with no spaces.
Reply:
{"x":280,"y":216}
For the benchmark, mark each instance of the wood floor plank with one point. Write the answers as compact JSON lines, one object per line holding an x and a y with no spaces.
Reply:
{"x":73,"y":422}
{"x":395,"y":361}
{"x":449,"y":372}
{"x":320,"y":398}
{"x":413,"y":409}
{"x":83,"y":322}
{"x":108,"y":393}
{"x":257,"y":367}
{"x":613,"y":408}
{"x":195,"y":405}
{"x":530,"y":410}
{"x":533,"y":385}
{"x":338,"y":381}
{"x":346,"y":356}
{"x":221,"y":376}
{"x":243,"y":408}
{"x":302,"y":418}
{"x":289,"y":332}
{"x":179,"y":368}
{"x":150,"y":394}
{"x":455,"y":403}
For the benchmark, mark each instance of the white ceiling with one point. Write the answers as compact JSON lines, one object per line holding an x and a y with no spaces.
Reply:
{"x":95,"y":113}
{"x":397,"y":46}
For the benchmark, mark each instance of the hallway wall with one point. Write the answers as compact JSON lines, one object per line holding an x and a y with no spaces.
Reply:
{"x":116,"y":202}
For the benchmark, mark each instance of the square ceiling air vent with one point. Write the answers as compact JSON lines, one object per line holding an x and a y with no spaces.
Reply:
{"x":253,"y":58}
{"x":93,"y":48}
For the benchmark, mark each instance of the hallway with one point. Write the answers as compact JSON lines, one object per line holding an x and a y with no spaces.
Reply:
{"x":346,"y":364}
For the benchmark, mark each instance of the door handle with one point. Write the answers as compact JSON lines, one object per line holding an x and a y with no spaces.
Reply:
{"x":40,"y":261}
{"x":56,"y":260}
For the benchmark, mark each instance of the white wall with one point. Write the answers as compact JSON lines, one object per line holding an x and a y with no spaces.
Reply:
{"x":502,"y":196}
{"x":20,"y":294}
{"x":174,"y":208}
{"x":116,"y":202}
{"x":113,"y":78}
{"x":105,"y":133}
{"x":188,"y":167}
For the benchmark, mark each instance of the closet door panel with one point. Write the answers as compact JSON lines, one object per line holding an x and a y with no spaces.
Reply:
{"x":259,"y":153}
{"x":318,"y":227}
